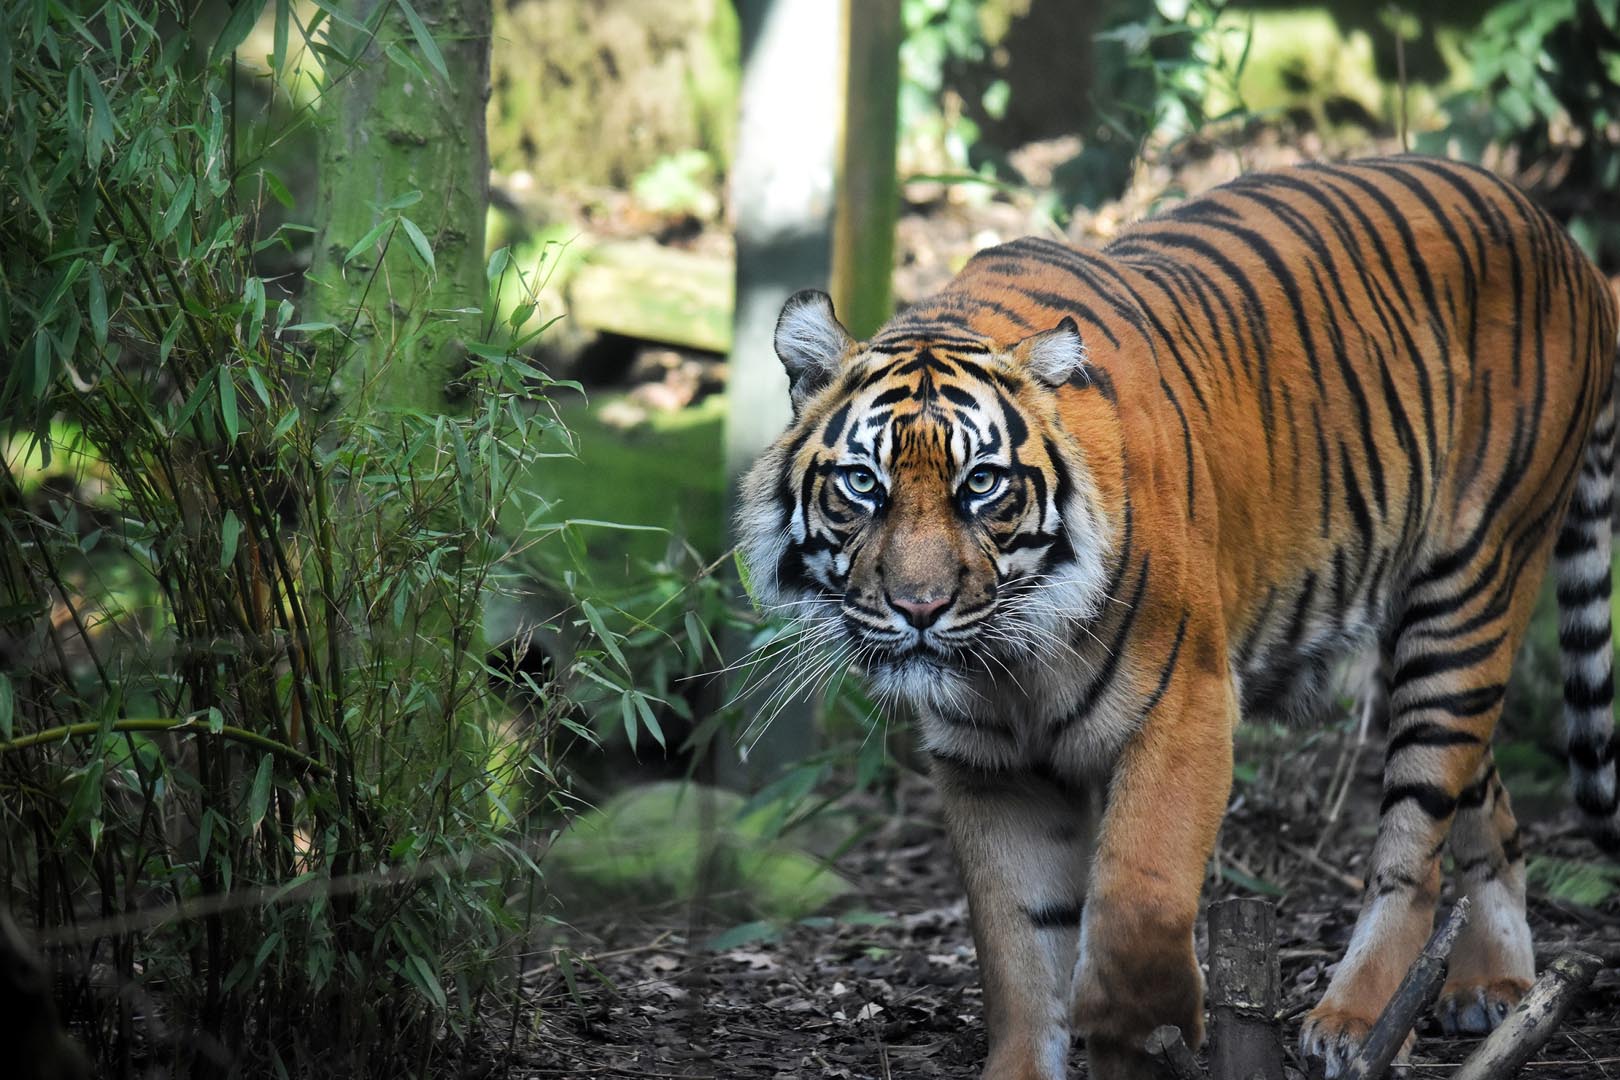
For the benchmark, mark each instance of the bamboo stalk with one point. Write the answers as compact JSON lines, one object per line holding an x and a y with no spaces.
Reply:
{"x":166,"y":725}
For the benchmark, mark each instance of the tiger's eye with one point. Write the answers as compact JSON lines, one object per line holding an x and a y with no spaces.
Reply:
{"x":860,"y":481}
{"x":982,"y":481}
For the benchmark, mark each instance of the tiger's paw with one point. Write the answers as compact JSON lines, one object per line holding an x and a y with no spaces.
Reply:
{"x":1333,"y":1036}
{"x":1476,"y":1009}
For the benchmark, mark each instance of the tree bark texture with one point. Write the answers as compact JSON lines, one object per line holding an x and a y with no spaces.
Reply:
{"x":389,"y":130}
{"x":1173,"y":1059}
{"x":1244,"y":991}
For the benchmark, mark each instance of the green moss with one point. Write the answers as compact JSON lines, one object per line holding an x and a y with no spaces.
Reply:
{"x":593,"y":94}
{"x":665,"y":473}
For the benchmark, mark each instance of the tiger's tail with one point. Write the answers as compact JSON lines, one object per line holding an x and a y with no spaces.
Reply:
{"x":1585,"y":637}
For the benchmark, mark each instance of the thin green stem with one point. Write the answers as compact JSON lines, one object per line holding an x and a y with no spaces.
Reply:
{"x":167,"y":725}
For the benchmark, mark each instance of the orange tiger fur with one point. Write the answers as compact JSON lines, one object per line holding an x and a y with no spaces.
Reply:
{"x":1086,"y":509}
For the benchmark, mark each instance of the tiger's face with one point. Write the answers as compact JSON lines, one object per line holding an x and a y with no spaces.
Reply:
{"x":925,"y":515}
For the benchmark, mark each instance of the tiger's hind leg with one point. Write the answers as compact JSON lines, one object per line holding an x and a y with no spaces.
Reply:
{"x":1453,"y":649}
{"x":1493,"y":962}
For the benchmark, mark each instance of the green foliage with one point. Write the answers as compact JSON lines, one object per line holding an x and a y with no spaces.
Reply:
{"x":1177,"y":59}
{"x":254,"y":766}
{"x":1545,"y":83}
{"x":680,"y":183}
{"x":673,"y":843}
{"x":939,"y":35}
{"x":1574,"y":880}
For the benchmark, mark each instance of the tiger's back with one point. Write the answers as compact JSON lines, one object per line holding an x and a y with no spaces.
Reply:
{"x":1320,"y":407}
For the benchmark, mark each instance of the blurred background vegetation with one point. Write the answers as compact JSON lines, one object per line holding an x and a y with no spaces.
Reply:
{"x":366,"y":607}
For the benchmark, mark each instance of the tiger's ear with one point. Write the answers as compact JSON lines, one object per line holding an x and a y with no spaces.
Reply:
{"x":1053,"y":356}
{"x":811,"y":343}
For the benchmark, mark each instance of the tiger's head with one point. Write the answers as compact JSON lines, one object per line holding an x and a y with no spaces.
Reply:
{"x":925,"y":513}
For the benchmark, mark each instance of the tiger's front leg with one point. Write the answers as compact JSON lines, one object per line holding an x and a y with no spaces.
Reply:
{"x":1168,"y":794}
{"x":1023,"y":844}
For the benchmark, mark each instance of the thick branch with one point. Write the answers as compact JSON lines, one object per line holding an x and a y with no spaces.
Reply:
{"x":1173,"y":1059}
{"x":1416,"y":993}
{"x":1244,"y":991}
{"x":1533,"y":1022}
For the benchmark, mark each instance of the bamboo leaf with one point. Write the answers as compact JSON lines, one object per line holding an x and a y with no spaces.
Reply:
{"x":193,"y":402}
{"x":59,"y":288}
{"x":230,"y":532}
{"x":102,"y":124}
{"x":369,"y":239}
{"x":427,"y":979}
{"x":169,"y":336}
{"x":283,"y":7}
{"x":629,"y":712}
{"x":86,"y":802}
{"x":237,"y":27}
{"x":205,"y":835}
{"x":272,"y":182}
{"x":498,"y":260}
{"x":409,"y":199}
{"x":98,"y":306}
{"x":424,"y":40}
{"x":259,"y":795}
{"x":75,"y":104}
{"x":285,"y":424}
{"x":406,"y":61}
{"x":419,"y":241}
{"x":649,"y":719}
{"x":227,"y":403}
{"x":177,"y":209}
{"x":609,"y":641}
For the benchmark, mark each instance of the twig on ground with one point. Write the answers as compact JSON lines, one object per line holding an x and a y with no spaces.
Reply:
{"x":1342,"y":779}
{"x":659,"y":942}
{"x":1533,"y":1022}
{"x":1416,"y":992}
{"x":1174,"y":1059}
{"x":1244,"y":991}
{"x":1348,"y":880}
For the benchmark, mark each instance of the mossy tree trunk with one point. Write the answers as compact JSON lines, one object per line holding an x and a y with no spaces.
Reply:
{"x":407,"y":117}
{"x":398,"y":268}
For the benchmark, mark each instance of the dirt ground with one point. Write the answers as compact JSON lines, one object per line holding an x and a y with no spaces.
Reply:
{"x":893,"y":991}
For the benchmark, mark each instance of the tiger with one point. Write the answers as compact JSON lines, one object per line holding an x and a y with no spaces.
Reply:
{"x":1084,"y":510}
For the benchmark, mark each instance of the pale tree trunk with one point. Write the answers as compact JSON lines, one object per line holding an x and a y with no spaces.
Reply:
{"x":387,"y":131}
{"x":782,"y":194}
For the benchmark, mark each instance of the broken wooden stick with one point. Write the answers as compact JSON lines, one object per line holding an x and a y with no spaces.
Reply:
{"x":1174,"y":1059}
{"x":1416,"y":993}
{"x":1244,"y":990}
{"x":1533,"y":1021}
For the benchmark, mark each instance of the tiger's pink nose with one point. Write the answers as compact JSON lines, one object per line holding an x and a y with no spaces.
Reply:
{"x":921,"y":613}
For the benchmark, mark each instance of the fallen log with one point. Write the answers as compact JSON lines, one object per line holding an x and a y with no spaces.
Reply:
{"x":1533,"y":1021}
{"x":1244,"y":991}
{"x":1173,"y":1058}
{"x":1416,"y":993}
{"x":643,"y":290}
